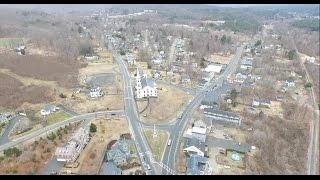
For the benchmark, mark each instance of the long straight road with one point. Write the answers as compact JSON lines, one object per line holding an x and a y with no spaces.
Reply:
{"x":133,"y":117}
{"x":177,"y":131}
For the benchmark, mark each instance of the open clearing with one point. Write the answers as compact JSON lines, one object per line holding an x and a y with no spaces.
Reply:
{"x":215,"y":58}
{"x":157,"y":144}
{"x":182,"y":160}
{"x":56,"y":117}
{"x":166,"y":106}
{"x":92,"y":157}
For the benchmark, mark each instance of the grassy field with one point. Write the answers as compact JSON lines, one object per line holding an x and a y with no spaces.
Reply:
{"x":57,"y":116}
{"x":10,"y":42}
{"x":157,"y":144}
{"x":167,"y":106}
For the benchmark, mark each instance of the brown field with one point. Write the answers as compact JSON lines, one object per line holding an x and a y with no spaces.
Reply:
{"x":84,"y":105}
{"x":167,"y":105}
{"x":220,"y":59}
{"x":43,"y":68}
{"x":13,"y":93}
{"x":182,"y":161}
{"x":107,"y":130}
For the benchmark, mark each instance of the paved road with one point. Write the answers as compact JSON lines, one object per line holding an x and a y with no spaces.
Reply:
{"x":133,"y":117}
{"x":44,"y":131}
{"x":5,"y":136}
{"x":179,"y":127}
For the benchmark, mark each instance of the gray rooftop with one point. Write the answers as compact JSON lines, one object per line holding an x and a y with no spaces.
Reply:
{"x":147,"y":82}
{"x":109,"y":168}
{"x":220,"y":112}
{"x":195,"y":164}
{"x":194,"y":142}
{"x":247,"y":62}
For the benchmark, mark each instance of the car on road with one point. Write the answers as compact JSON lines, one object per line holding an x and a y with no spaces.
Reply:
{"x":169,"y":142}
{"x":148,"y":167}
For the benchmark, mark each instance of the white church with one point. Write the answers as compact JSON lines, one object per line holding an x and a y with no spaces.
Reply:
{"x":145,"y":87}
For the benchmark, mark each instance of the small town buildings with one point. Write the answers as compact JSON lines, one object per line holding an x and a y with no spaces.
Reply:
{"x":256,"y":102}
{"x":130,"y":59}
{"x":5,"y":117}
{"x":198,"y":131}
{"x":145,"y":87}
{"x":215,"y":115}
{"x":96,"y":92}
{"x":289,"y":83}
{"x":240,"y":77}
{"x":91,"y":57}
{"x":197,"y":165}
{"x":70,"y":152}
{"x":246,"y":63}
{"x":185,"y":79}
{"x":48,"y":110}
{"x":194,"y":146}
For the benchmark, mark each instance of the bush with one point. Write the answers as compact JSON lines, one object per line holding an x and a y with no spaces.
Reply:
{"x":62,"y":95}
{"x":93,"y":128}
{"x":52,"y":136}
{"x":292,"y":54}
{"x":308,"y":85}
{"x":12,"y":152}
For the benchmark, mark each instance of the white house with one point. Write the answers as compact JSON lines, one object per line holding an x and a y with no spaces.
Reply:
{"x":145,"y":87}
{"x":261,"y":102}
{"x":193,"y":150}
{"x":48,"y":110}
{"x":289,"y":83}
{"x":216,"y":68}
{"x":246,"y":63}
{"x":96,"y":92}
{"x":131,"y":60}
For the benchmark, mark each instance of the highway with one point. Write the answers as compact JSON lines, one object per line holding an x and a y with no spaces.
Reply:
{"x":45,"y":130}
{"x":133,"y":117}
{"x":179,"y":127}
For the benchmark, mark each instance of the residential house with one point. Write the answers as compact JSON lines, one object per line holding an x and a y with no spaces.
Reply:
{"x":96,"y":92}
{"x":21,"y":50}
{"x":5,"y":117}
{"x":198,"y":131}
{"x":289,"y":83}
{"x":145,"y":87}
{"x":119,"y":153}
{"x":197,"y":165}
{"x":246,"y":63}
{"x":185,"y":79}
{"x":194,"y":146}
{"x":157,"y":75}
{"x":48,"y":110}
{"x":215,"y":115}
{"x":91,"y":57}
{"x":240,"y":77}
{"x":256,"y":102}
{"x":130,"y":59}
{"x":71,"y":151}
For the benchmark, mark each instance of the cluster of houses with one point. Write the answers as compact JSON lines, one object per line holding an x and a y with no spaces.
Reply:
{"x":5,"y":117}
{"x":71,"y":151}
{"x":96,"y":92}
{"x":196,"y":150}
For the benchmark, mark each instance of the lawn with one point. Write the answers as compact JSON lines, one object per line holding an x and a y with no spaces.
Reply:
{"x":57,"y":116}
{"x":157,"y":144}
{"x":7,"y":42}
